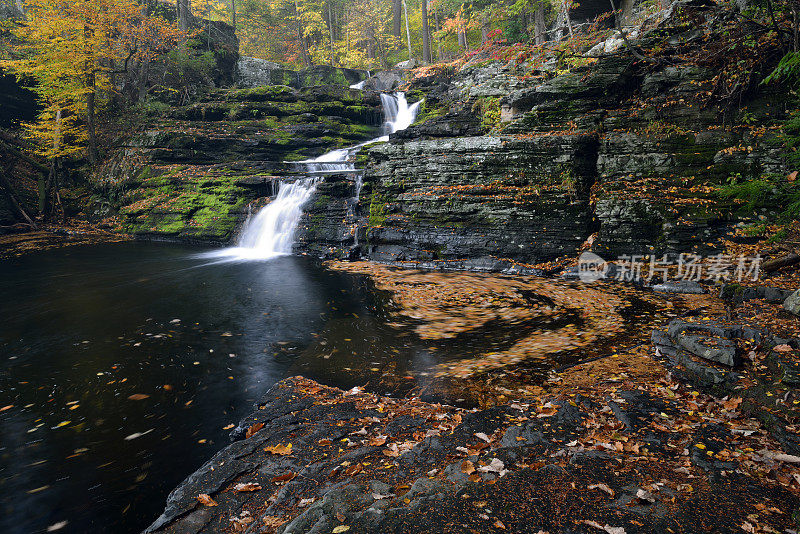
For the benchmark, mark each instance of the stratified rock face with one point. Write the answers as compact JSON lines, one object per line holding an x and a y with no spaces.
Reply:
{"x":498,"y":167}
{"x":479,"y":197}
{"x":193,"y":171}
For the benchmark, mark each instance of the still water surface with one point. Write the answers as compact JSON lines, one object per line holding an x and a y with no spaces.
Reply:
{"x":122,"y":364}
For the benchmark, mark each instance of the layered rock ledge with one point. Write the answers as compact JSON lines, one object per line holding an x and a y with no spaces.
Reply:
{"x":317,"y":459}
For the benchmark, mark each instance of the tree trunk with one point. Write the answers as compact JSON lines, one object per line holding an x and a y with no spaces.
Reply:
{"x":330,"y":32}
{"x":795,"y":27}
{"x":397,"y":17}
{"x":438,"y":39}
{"x":91,"y":97}
{"x":484,"y":34}
{"x":426,"y":34}
{"x":233,"y":14}
{"x":626,"y":12}
{"x":408,"y":30}
{"x":12,"y":197}
{"x":462,"y":38}
{"x":41,"y":184}
{"x":539,"y":27}
{"x":301,"y":38}
{"x":568,"y":19}
{"x":184,"y":14}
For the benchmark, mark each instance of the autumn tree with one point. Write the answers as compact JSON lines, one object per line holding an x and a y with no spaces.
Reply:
{"x":72,"y":49}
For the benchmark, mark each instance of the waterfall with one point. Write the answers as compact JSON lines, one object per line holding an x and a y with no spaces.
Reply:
{"x":398,"y":114}
{"x":360,"y":85}
{"x":271,"y":231}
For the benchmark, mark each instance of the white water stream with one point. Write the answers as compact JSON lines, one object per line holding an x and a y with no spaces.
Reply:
{"x":270,"y":233}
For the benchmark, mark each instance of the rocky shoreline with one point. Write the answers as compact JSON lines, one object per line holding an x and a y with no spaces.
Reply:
{"x":694,"y":432}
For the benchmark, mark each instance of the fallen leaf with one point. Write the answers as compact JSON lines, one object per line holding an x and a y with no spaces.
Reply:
{"x":247,"y":486}
{"x":788,"y":458}
{"x":608,"y":528}
{"x":353,"y":470}
{"x":253,"y":429}
{"x":4,"y":408}
{"x":467,"y":467}
{"x":206,"y":499}
{"x":286,"y":477}
{"x":499,"y":524}
{"x":305,"y":502}
{"x":378,"y":441}
{"x":281,"y":449}
{"x":324,"y":442}
{"x":782,"y":348}
{"x":138,"y":396}
{"x":379,"y":496}
{"x":495,"y":466}
{"x":57,"y":526}
{"x":273,"y":521}
{"x":340,"y":528}
{"x":481,"y":435}
{"x":601,"y":487}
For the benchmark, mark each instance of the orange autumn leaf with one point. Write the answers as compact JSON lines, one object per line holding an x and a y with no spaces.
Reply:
{"x":206,"y":499}
{"x":378,"y":441}
{"x":253,"y":429}
{"x":280,"y":449}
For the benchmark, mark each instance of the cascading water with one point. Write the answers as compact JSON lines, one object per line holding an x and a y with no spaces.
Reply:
{"x":271,"y":231}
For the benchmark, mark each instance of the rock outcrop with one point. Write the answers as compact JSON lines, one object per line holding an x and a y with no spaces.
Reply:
{"x":193,"y":170}
{"x":500,"y":169}
{"x":317,"y":459}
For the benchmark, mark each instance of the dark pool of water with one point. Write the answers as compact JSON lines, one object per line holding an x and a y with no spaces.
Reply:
{"x":83,"y":329}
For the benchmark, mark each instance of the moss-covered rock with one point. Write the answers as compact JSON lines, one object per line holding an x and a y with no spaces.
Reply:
{"x":192,"y":171}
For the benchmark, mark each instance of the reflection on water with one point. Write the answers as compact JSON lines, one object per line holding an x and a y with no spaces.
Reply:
{"x":121,"y":365}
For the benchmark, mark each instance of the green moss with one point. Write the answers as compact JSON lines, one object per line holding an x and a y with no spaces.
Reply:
{"x":489,"y":109}
{"x":377,"y":210}
{"x":429,"y":112}
{"x":275,"y":93}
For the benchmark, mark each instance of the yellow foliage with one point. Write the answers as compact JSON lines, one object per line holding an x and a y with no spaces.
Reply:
{"x":71,"y":48}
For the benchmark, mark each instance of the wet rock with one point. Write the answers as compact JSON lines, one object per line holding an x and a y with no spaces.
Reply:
{"x":792,"y":303}
{"x":696,"y":350}
{"x":454,"y":481}
{"x":679,"y":286}
{"x":737,"y":294}
{"x":408,"y":64}
{"x":385,"y":80}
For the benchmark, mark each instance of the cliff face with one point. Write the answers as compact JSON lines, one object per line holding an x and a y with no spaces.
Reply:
{"x":622,"y":148}
{"x":191,"y":171}
{"x":504,"y":165}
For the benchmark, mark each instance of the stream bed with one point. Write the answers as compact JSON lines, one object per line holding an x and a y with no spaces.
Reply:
{"x":123,"y":365}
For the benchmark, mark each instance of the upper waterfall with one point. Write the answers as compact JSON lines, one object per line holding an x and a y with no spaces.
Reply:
{"x":271,"y":231}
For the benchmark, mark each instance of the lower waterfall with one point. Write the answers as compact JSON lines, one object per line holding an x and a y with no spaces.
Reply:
{"x":271,"y":231}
